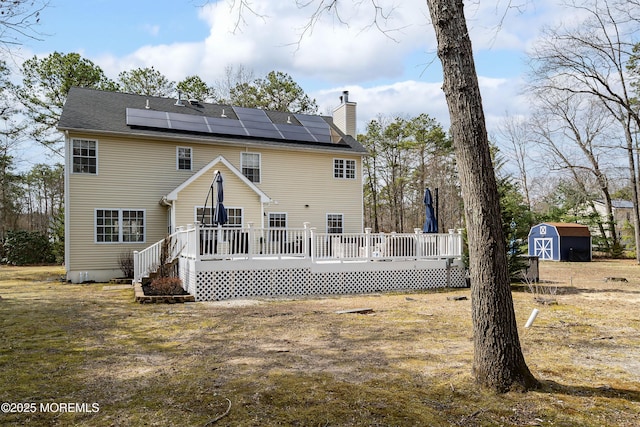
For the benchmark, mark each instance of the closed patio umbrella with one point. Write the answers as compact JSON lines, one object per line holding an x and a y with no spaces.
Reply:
{"x":431,"y":222}
{"x":220,"y":213}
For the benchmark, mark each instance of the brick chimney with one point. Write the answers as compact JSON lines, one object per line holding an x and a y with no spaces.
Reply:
{"x":344,"y":116}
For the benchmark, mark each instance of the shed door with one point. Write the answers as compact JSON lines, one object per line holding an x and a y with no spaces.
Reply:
{"x":543,"y":247}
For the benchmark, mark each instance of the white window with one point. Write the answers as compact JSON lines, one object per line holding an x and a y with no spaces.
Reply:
{"x":183,"y":158}
{"x":277,"y":227}
{"x":234,"y":216}
{"x":84,"y":156}
{"x":250,"y":164}
{"x":277,"y":220}
{"x":120,"y":226}
{"x":344,"y":168}
{"x":335,"y":223}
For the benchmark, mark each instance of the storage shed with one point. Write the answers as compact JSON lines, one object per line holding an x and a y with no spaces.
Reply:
{"x":557,"y":241}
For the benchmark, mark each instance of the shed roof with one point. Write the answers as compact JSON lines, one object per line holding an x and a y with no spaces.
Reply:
{"x":570,"y":229}
{"x":106,"y":112}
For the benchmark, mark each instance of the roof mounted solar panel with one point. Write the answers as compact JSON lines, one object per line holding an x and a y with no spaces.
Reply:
{"x":253,"y":114}
{"x":188,"y":122}
{"x":147,"y":118}
{"x":257,"y":123}
{"x":250,"y":122}
{"x":226,"y":126}
{"x":295,"y":133}
{"x":316,"y":126}
{"x":312,"y":121}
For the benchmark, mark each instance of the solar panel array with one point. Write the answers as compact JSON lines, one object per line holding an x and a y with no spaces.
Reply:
{"x":251,"y":122}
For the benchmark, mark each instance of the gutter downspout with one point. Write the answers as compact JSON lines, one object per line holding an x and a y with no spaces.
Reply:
{"x":172,"y":212}
{"x":67,"y":222}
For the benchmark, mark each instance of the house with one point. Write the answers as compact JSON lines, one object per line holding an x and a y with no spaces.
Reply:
{"x":137,"y":168}
{"x":558,"y":241}
{"x":622,"y":211}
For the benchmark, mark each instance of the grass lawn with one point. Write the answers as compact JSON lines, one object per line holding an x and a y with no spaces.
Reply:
{"x":297,"y":362}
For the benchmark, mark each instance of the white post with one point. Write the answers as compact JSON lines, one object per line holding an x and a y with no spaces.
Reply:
{"x":451,"y":243}
{"x":198,"y":243}
{"x":367,"y":244}
{"x":306,"y":237}
{"x":532,"y":317}
{"x":312,"y":233}
{"x":418,"y":233}
{"x":250,"y":240}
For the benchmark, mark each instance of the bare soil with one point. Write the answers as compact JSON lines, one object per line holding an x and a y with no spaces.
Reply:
{"x":317,"y":361}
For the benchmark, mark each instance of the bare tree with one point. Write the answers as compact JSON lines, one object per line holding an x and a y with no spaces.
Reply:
{"x":515,"y":133}
{"x":233,"y":76}
{"x":575,"y":131}
{"x":591,"y":59}
{"x":17,"y":21}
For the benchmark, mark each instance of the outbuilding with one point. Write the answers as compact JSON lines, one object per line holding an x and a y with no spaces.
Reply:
{"x":557,"y":241}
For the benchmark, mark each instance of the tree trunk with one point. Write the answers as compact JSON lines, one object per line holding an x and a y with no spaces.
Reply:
{"x":498,"y":361}
{"x":634,"y":183}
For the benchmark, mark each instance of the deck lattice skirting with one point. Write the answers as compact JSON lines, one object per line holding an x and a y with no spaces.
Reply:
{"x":221,"y":280}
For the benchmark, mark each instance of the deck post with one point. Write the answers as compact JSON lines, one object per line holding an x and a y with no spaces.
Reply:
{"x":305,"y":244}
{"x":197,"y":240}
{"x":250,"y":240}
{"x":418,"y":232}
{"x":451,"y":246}
{"x":367,"y":243}
{"x":312,"y":235}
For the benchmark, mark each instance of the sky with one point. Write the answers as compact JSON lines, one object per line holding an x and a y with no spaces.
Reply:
{"x":387,"y":63}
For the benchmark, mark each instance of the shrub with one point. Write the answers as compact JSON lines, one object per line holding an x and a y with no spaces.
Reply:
{"x":27,"y":248}
{"x":125,"y":259}
{"x":167,"y":259}
{"x":167,"y":286}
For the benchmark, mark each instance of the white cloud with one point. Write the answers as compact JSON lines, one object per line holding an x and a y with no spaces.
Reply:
{"x":411,"y":98}
{"x":382,"y":74}
{"x":406,"y":99}
{"x":271,"y":39}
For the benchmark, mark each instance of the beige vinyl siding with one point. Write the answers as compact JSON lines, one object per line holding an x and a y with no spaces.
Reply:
{"x":292,"y":179}
{"x":136,"y":174}
{"x":236,"y":194}
{"x":296,"y":179}
{"x":131,"y":175}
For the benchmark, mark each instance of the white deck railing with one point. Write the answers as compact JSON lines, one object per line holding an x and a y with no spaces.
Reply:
{"x":210,"y":243}
{"x":181,"y":243}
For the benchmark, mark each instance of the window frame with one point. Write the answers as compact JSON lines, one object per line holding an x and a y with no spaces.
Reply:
{"x":178,"y":158}
{"x":81,"y":166}
{"x":282,"y":216}
{"x":229,"y":216}
{"x":329,"y":228}
{"x":118,"y":228}
{"x":344,"y":168}
{"x":243,"y":156}
{"x":277,"y":233}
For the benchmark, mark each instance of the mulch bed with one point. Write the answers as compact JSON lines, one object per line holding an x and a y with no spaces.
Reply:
{"x":151,"y":291}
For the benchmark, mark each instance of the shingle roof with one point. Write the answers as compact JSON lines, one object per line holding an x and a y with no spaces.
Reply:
{"x":618,"y":203}
{"x":96,"y":111}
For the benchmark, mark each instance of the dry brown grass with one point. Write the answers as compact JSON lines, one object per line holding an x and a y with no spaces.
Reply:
{"x":298,"y":362}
